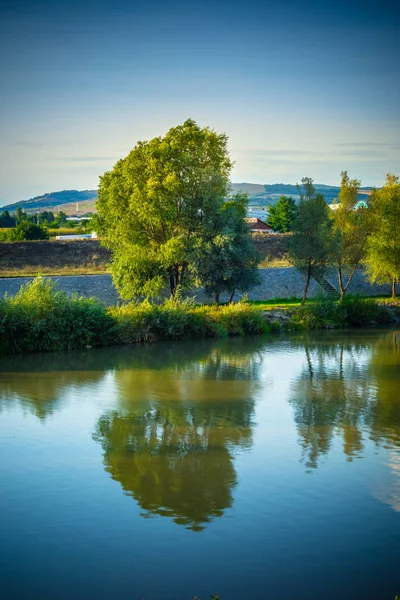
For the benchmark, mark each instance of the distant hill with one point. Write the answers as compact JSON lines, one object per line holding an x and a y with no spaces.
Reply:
{"x":264,"y":195}
{"x":52,"y":200}
{"x":259,"y":195}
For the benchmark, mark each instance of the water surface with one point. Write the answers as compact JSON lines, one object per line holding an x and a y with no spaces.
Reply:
{"x":264,"y":468}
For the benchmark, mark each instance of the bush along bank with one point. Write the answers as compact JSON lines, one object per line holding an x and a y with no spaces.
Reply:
{"x":40,"y":319}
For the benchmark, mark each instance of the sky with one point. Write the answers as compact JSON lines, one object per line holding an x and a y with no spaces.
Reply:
{"x":301,"y":88}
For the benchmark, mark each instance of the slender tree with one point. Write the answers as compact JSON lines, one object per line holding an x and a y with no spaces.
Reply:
{"x":19,"y":215}
{"x":352,"y":228}
{"x":383,"y":248}
{"x":313,"y":244}
{"x":158,"y":202}
{"x":306,"y":189}
{"x":229,"y":261}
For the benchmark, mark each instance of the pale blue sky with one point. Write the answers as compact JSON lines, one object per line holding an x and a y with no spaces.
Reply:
{"x":301,"y":88}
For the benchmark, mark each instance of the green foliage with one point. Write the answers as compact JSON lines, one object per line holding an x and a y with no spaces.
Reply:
{"x":357,"y":312}
{"x":158,"y":204}
{"x":20,"y":215}
{"x":176,"y":319}
{"x":6,"y":220}
{"x":322,"y":314}
{"x":282,"y":214}
{"x":313,"y":244}
{"x":307,"y":189}
{"x":383,"y":248}
{"x":26,"y":230}
{"x":60,"y":220}
{"x":229,"y":261}
{"x":39,"y":319}
{"x":147,"y":322}
{"x":352,"y":227}
{"x":352,"y":311}
{"x":239,"y":319}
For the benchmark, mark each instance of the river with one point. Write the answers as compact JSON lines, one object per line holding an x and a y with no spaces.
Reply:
{"x":262,"y":468}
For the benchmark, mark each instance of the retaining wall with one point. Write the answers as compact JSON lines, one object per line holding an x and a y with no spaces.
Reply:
{"x":276,"y":283}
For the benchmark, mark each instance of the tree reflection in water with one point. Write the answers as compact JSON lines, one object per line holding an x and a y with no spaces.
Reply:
{"x":172,"y":441}
{"x":39,"y":382}
{"x":347,"y":388}
{"x":180,"y":412}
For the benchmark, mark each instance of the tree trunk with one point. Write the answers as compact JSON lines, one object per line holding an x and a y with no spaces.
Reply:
{"x":176,"y":276}
{"x":394,"y":295}
{"x":340,"y":279}
{"x":306,"y":287}
{"x":182,"y":273}
{"x":343,"y":288}
{"x":217,"y":298}
{"x":172,"y":284}
{"x":231,"y":298}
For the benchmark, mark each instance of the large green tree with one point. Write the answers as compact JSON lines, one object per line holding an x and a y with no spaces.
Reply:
{"x":158,"y":203}
{"x":352,"y":227}
{"x":314,"y":242}
{"x":383,"y":248}
{"x":282,"y":214}
{"x":229,"y":261}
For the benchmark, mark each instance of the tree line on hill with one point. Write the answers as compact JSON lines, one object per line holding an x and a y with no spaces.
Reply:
{"x":165,"y":213}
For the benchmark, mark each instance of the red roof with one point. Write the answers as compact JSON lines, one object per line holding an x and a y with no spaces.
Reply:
{"x":257,"y":225}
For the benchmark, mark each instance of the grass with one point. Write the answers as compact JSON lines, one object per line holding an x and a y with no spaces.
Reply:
{"x":66,"y":231}
{"x":34,"y":270}
{"x":274,"y":263}
{"x":352,"y":311}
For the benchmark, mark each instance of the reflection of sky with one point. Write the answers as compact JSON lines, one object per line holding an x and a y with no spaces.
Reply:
{"x":304,"y":88}
{"x":386,"y":486}
{"x":284,"y":524}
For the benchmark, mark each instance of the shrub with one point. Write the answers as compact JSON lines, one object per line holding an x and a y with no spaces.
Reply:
{"x":357,"y":311}
{"x":322,"y":314}
{"x":352,"y":311}
{"x":176,"y":319}
{"x":27,"y":231}
{"x":239,"y":319}
{"x":40,"y":318}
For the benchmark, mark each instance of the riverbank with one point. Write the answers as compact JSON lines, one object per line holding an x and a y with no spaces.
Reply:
{"x":39,"y":318}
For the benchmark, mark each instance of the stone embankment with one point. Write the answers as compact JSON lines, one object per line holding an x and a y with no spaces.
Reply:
{"x":53,"y":254}
{"x":276,"y":283}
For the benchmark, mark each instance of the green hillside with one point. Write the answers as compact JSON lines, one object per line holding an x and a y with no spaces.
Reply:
{"x":259,"y":195}
{"x":52,"y":200}
{"x":264,"y":195}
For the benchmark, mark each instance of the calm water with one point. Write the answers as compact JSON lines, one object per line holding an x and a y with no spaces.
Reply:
{"x":259,"y":468}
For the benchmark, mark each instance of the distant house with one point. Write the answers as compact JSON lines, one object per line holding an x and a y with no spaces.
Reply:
{"x":256,"y":225}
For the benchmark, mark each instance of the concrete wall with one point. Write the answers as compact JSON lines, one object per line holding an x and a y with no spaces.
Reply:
{"x":282,"y":283}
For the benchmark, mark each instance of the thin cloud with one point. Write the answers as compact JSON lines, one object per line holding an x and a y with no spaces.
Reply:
{"x":386,"y":145}
{"x":254,"y":152}
{"x":29,"y":144}
{"x":86,"y":158}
